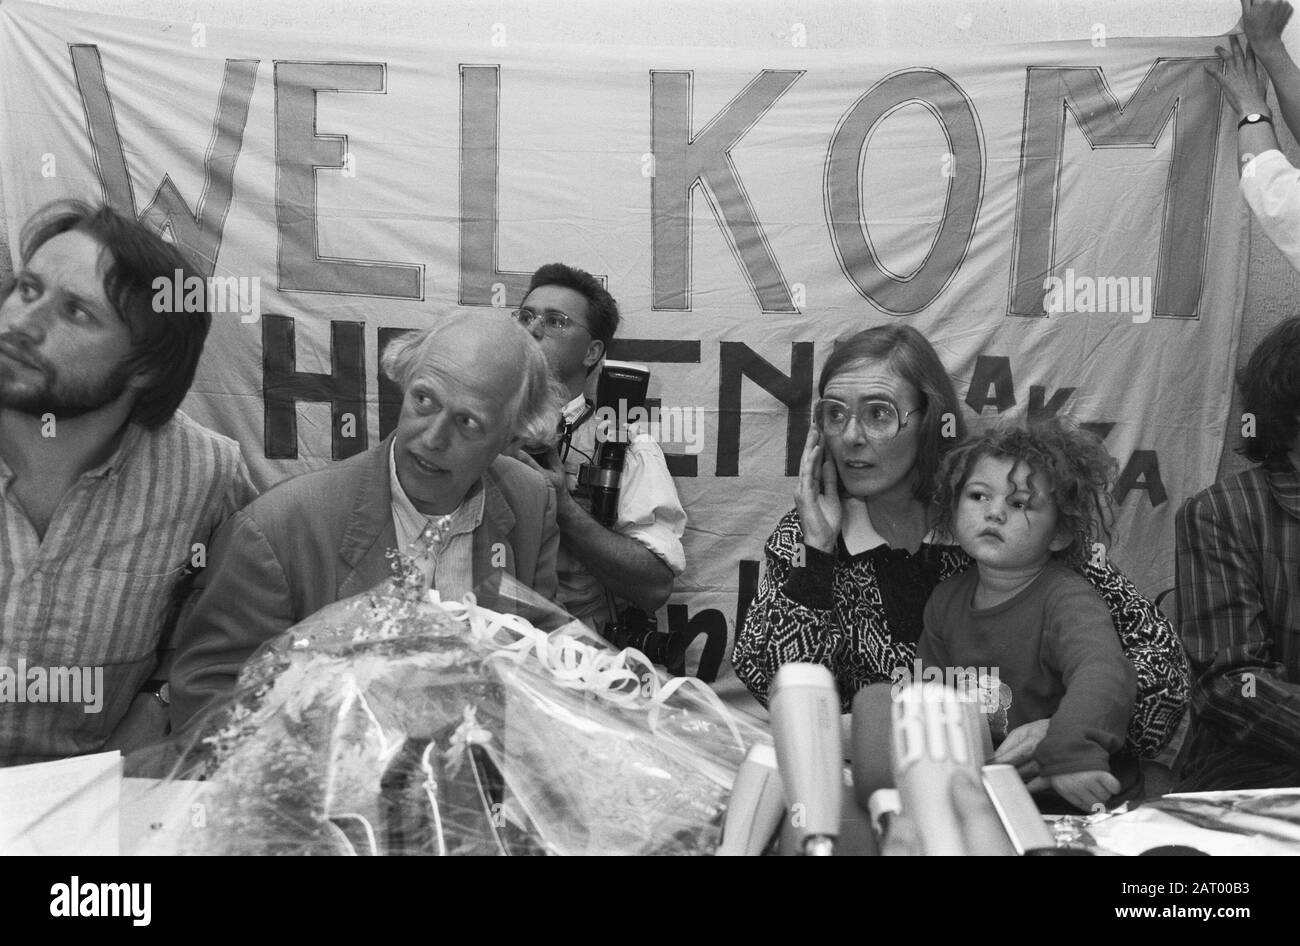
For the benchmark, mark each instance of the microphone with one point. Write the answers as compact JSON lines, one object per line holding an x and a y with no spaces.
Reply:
{"x":870,"y":735}
{"x":933,"y":738}
{"x":756,"y":804}
{"x":884,"y":806}
{"x":805,"y":708}
{"x":1016,"y":809}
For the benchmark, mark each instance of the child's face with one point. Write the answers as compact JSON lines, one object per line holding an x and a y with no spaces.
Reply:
{"x":1006,"y":517}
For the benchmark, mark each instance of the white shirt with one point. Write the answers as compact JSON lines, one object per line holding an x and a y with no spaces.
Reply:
{"x":648,"y":511}
{"x":451,"y":570}
{"x":1270,"y":185}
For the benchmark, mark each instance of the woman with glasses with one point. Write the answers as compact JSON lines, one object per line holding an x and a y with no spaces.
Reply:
{"x":849,"y":569}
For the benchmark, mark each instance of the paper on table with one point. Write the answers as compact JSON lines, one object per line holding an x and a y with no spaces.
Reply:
{"x":65,"y":807}
{"x":156,"y":814}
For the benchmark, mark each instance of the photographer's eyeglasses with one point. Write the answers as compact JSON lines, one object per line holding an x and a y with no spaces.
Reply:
{"x":553,"y":323}
{"x":878,"y":419}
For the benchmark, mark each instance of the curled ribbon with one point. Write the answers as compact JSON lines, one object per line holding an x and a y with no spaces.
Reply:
{"x":576,"y":664}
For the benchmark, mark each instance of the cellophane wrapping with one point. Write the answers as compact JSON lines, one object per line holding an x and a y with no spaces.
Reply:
{"x":394,"y":724}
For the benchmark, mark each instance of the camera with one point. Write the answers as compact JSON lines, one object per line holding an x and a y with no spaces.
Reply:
{"x":639,"y":630}
{"x":620,"y":391}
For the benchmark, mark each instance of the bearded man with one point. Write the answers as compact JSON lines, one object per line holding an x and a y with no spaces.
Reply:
{"x":108,"y":493}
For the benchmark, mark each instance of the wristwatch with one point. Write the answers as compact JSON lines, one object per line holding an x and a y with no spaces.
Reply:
{"x":1255,"y":118}
{"x":160,"y":689}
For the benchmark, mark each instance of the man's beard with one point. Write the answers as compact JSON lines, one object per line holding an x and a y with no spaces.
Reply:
{"x":63,"y":399}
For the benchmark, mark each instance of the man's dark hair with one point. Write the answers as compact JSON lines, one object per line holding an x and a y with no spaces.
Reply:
{"x":602,"y":310}
{"x":165,"y":345}
{"x":1270,"y":390}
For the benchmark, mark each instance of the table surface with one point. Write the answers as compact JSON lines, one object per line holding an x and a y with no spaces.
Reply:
{"x":155,"y":814}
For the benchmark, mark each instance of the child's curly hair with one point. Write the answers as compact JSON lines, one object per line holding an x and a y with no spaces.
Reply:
{"x":1077,"y":469}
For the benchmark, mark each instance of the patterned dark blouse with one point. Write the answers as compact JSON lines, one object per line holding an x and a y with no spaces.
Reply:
{"x":860,"y":616}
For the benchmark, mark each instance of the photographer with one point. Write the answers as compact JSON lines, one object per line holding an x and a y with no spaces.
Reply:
{"x":601,"y":569}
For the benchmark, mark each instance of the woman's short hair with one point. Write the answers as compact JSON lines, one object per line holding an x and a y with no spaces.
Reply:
{"x":166,"y":345}
{"x":1270,"y":391}
{"x":909,"y":355}
{"x":534,"y":414}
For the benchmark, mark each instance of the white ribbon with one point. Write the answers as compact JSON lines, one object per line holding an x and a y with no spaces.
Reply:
{"x":575,"y":664}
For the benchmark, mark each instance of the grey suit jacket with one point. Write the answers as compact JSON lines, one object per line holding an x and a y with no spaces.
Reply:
{"x":324,"y":536}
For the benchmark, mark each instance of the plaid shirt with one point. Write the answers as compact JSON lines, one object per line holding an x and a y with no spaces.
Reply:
{"x":1239,"y":615}
{"x":97,"y":590}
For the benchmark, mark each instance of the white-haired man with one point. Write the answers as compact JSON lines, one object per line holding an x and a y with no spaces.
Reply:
{"x":472,"y":387}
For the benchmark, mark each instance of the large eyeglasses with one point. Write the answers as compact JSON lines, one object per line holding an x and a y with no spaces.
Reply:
{"x":879,"y":419}
{"x":553,"y":323}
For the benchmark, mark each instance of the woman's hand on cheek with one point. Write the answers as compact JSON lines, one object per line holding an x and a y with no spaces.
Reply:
{"x":817,"y":496}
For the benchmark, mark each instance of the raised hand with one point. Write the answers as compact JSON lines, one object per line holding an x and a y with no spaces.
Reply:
{"x":817,"y":497}
{"x":1263,"y":21}
{"x":1243,"y":80}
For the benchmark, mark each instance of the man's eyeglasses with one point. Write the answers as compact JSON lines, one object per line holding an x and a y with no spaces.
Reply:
{"x":553,"y":323}
{"x":879,"y":419}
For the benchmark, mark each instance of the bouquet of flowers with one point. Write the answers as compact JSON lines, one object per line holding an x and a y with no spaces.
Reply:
{"x":395,"y":723}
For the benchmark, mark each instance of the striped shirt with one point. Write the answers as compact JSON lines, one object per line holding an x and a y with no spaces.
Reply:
{"x":1238,"y":578}
{"x":94,"y":594}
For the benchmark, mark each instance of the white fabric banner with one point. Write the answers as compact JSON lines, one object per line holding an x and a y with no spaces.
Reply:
{"x":1060,"y":220}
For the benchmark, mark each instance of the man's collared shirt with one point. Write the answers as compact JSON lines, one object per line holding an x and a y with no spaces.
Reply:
{"x":451,"y":568}
{"x":648,"y":511}
{"x":83,"y":609}
{"x":1238,"y":545}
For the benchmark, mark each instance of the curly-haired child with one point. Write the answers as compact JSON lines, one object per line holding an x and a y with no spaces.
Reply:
{"x":1025,"y":503}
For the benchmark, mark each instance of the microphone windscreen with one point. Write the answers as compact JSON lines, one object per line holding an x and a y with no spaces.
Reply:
{"x":981,"y":737}
{"x":805,"y":707}
{"x":756,"y":804}
{"x":871,"y":734}
{"x":932,"y":742}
